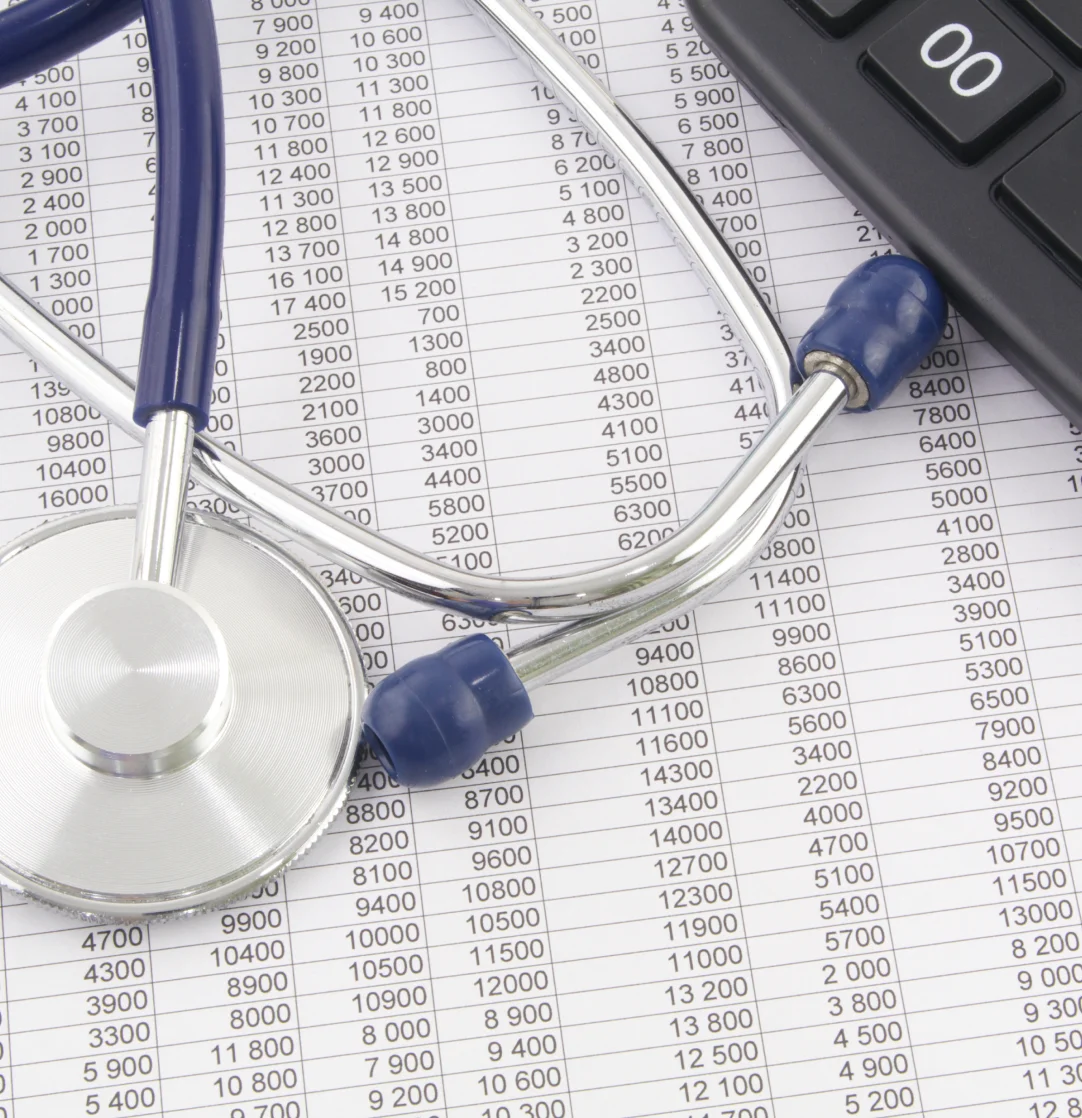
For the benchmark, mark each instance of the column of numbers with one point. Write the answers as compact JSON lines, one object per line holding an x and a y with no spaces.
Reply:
{"x":825,"y":966}
{"x":228,"y":1031}
{"x":499,"y":1019}
{"x":964,"y":694}
{"x":606,"y":271}
{"x":62,"y":460}
{"x":698,"y":1038}
{"x":1033,"y":453}
{"x":82,"y":1027}
{"x":1027,"y":863}
{"x":714,"y":408}
{"x":420,"y":395}
{"x":385,"y":976}
{"x":712,"y":995}
{"x":292,"y":335}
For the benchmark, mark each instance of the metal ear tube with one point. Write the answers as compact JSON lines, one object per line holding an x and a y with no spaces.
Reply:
{"x":184,"y":703}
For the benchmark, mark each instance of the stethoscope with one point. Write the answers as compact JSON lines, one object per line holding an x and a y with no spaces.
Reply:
{"x":182,"y":704}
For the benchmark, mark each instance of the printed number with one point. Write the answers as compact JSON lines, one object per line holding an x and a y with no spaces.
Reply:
{"x":961,"y":59}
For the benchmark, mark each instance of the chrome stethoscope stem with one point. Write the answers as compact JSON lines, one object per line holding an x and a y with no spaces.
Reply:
{"x":163,"y":488}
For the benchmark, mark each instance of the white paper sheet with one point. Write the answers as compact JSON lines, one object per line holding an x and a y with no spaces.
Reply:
{"x":812,"y":852}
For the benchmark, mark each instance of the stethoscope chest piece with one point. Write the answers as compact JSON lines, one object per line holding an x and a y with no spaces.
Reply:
{"x":164,"y":748}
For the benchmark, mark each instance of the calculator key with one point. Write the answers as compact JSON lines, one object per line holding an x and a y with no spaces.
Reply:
{"x":963,"y":73}
{"x":840,"y":16}
{"x":1060,"y":20}
{"x":1043,"y":191}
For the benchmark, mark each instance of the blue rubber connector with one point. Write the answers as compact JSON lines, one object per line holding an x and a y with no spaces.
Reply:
{"x":884,"y":319}
{"x":180,"y":329}
{"x":434,"y":718}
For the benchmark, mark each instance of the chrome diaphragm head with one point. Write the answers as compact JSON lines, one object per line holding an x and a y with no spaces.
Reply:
{"x":164,"y":749}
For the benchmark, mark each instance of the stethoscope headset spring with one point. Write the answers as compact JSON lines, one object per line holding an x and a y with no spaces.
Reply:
{"x":184,"y":705}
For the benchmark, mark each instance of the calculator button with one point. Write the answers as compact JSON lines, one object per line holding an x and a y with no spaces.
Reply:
{"x":963,"y":73}
{"x":840,"y":16}
{"x":1060,"y":20}
{"x":1043,"y":191}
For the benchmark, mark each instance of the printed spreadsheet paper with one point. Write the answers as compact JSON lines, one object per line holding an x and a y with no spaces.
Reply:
{"x":812,"y":852}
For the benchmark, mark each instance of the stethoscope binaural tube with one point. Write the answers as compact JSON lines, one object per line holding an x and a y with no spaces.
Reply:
{"x":431,"y":720}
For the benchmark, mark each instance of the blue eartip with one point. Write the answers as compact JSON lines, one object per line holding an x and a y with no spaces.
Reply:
{"x":434,"y":718}
{"x":884,"y":319}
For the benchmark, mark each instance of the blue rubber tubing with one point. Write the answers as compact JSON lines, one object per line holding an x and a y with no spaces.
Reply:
{"x":37,"y":34}
{"x":180,"y":330}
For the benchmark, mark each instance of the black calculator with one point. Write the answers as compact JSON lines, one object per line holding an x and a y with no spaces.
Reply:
{"x":956,"y":125}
